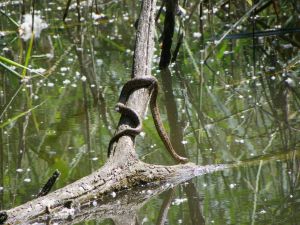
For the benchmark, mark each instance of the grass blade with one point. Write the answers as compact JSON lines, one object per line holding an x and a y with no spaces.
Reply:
{"x":11,"y":19}
{"x":11,"y":70}
{"x":9,"y":121}
{"x":28,"y":54}
{"x":8,"y":61}
{"x":10,"y":101}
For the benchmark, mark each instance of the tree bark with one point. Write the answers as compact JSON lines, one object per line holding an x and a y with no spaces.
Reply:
{"x":94,"y":196}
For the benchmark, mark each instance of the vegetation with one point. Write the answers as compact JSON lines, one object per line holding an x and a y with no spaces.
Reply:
{"x":234,"y":98}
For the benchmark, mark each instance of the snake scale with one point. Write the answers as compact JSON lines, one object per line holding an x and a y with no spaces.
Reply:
{"x":134,"y":84}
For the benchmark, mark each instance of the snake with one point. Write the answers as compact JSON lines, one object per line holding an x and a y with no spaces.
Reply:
{"x":134,"y":84}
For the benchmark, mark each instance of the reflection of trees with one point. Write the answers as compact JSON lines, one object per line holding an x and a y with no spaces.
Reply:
{"x":163,"y":213}
{"x":176,"y":135}
{"x":266,"y":123}
{"x":87,"y":67}
{"x":273,"y":105}
{"x":88,"y":72}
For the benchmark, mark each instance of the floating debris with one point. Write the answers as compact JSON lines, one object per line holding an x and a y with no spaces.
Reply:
{"x":25,"y":29}
{"x":179,"y":201}
{"x":197,"y":35}
{"x":97,"y":16}
{"x":27,"y":180}
{"x":49,"y":84}
{"x":38,"y":70}
{"x":19,"y":170}
{"x":290,"y":82}
{"x":262,"y":211}
{"x":184,"y":142}
{"x":65,"y":82}
{"x":232,"y":186}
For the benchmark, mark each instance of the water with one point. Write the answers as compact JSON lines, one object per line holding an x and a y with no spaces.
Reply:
{"x":231,"y":99}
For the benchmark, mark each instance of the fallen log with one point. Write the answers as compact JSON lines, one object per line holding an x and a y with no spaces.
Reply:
{"x":97,"y":193}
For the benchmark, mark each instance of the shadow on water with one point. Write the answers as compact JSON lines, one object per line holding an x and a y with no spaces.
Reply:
{"x":231,"y":95}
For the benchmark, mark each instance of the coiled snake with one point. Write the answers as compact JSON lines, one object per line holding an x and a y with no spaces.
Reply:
{"x":137,"y":83}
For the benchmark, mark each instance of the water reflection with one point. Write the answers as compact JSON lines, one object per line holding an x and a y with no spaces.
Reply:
{"x":228,"y":98}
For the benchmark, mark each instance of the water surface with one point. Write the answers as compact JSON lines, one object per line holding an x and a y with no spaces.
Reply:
{"x":231,"y":96}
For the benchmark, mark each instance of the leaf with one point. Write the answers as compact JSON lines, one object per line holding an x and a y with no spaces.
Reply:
{"x":250,"y":2}
{"x":221,"y":52}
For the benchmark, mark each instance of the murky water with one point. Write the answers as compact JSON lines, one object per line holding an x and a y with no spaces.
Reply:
{"x":231,"y":96}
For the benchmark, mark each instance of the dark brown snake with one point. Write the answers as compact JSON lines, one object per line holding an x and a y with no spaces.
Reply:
{"x":137,"y":83}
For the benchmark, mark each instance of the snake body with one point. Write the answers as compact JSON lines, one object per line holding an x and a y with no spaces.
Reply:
{"x":137,"y":83}
{"x":131,"y":131}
